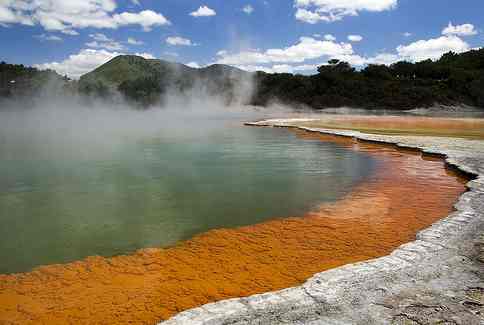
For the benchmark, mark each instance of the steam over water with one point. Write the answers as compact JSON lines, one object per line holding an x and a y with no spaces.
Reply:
{"x":77,"y":181}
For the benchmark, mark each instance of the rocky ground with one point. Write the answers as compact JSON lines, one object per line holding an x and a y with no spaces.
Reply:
{"x":437,"y":279}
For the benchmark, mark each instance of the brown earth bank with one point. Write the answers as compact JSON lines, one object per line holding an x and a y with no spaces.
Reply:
{"x":408,"y":192}
{"x":471,"y":128}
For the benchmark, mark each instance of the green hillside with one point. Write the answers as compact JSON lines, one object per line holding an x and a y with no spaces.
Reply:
{"x":131,"y":67}
{"x":20,"y":82}
{"x":146,"y":81}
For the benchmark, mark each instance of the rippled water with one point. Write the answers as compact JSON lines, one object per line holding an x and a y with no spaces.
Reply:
{"x":159,"y":188}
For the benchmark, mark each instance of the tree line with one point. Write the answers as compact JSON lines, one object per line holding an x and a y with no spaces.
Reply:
{"x":453,"y":79}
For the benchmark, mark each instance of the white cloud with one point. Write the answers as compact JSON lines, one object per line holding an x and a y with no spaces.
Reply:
{"x":49,"y":38}
{"x":459,"y":30}
{"x":432,"y":48}
{"x":133,"y":41}
{"x":407,"y":34}
{"x":100,"y":37}
{"x":179,"y":41}
{"x":355,"y":38}
{"x":78,"y":64}
{"x":253,"y":68}
{"x":279,"y":68}
{"x":85,"y":61}
{"x":314,"y":11}
{"x":146,"y":55}
{"x":193,"y":64}
{"x":70,"y":32}
{"x":286,"y":68}
{"x":203,"y":11}
{"x":383,"y":58}
{"x":66,"y":16}
{"x":146,"y":18}
{"x":11,"y":14}
{"x":136,"y":2}
{"x":309,"y":16}
{"x":101,"y":41}
{"x":308,"y":48}
{"x":248,"y":9}
{"x":173,"y":54}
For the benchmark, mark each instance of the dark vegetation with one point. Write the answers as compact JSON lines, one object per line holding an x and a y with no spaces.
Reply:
{"x":453,"y":80}
{"x":147,"y":81}
{"x":20,"y":82}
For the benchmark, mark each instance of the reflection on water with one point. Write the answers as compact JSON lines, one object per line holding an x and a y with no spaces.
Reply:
{"x":153,"y":191}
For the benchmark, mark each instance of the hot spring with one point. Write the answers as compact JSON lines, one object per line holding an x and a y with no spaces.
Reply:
{"x":76,"y":182}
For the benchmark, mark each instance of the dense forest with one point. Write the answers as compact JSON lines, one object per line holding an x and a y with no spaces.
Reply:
{"x":148,"y":81}
{"x":452,"y":80}
{"x":20,"y":82}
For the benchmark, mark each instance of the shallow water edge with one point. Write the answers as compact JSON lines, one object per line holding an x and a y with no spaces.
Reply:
{"x":131,"y":273}
{"x":442,"y":269}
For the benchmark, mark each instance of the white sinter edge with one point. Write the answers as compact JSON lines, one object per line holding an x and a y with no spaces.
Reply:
{"x":426,"y":280}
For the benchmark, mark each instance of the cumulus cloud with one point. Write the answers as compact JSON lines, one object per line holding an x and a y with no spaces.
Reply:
{"x":308,"y":48}
{"x":78,"y":64}
{"x":293,"y":58}
{"x":314,"y":11}
{"x":49,"y":38}
{"x":309,"y":16}
{"x":203,"y":11}
{"x":459,"y":30}
{"x":280,"y":68}
{"x":248,"y":9}
{"x":146,"y":18}
{"x":133,"y":41}
{"x":67,"y":16}
{"x":101,"y":41}
{"x":407,"y":34}
{"x":193,"y":64}
{"x":145,"y":55}
{"x":383,"y":58}
{"x":179,"y":41}
{"x":173,"y":54}
{"x":355,"y":38}
{"x":86,"y":60}
{"x":432,"y":48}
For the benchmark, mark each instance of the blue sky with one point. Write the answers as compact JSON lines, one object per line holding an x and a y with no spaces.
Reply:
{"x":74,"y":36}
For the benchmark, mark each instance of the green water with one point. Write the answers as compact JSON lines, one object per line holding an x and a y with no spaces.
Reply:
{"x":63,"y":200}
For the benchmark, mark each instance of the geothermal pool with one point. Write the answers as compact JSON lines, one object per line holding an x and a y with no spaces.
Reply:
{"x":330,"y":200}
{"x":71,"y":193}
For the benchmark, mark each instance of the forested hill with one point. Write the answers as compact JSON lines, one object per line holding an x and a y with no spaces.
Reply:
{"x":20,"y":82}
{"x":147,"y":81}
{"x":454,"y":79}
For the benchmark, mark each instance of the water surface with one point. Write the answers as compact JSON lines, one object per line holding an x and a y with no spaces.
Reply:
{"x":62,"y":200}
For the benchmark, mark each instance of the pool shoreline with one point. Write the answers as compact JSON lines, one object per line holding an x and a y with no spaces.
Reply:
{"x":438,"y":277}
{"x":288,"y":305}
